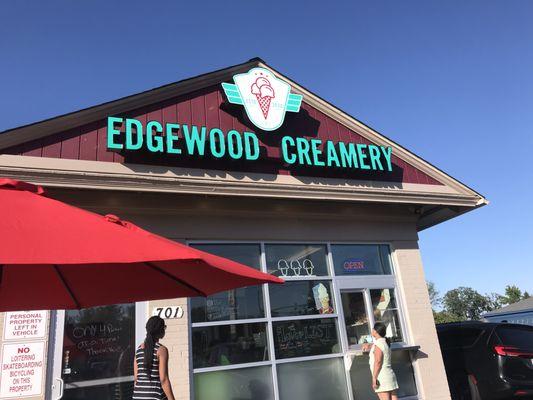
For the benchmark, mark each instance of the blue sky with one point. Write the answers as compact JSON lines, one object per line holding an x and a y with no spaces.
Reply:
{"x":450,"y":80}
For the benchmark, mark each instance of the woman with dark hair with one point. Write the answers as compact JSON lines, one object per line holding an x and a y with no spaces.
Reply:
{"x":151,"y":365}
{"x":383,"y":378}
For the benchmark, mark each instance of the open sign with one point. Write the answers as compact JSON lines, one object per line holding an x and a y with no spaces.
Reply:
{"x":353,"y":265}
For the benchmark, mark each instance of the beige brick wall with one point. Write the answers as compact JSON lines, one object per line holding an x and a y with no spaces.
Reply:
{"x":429,"y":367}
{"x":177,"y":342}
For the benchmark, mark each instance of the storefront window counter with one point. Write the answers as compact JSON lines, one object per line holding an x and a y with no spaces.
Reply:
{"x":272,"y":342}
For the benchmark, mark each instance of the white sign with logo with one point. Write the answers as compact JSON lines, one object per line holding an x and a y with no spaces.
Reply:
{"x":22,"y":370}
{"x":265,"y":98}
{"x":25,"y":325}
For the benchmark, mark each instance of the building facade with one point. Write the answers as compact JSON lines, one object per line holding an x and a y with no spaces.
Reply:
{"x":520,"y":312}
{"x":247,"y":164}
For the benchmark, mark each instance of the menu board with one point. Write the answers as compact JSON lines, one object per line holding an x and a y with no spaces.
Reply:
{"x":99,"y":343}
{"x":302,"y":338}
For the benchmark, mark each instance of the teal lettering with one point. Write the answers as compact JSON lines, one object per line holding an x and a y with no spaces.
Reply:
{"x":130,"y":123}
{"x":362,"y":156}
{"x":213,"y":140}
{"x":316,"y":152}
{"x":172,"y":138}
{"x":234,"y":140}
{"x":303,"y":151}
{"x":154,"y":142}
{"x":194,"y":141}
{"x":387,"y":153}
{"x":375,"y":154}
{"x":112,"y":132}
{"x":348,"y":155}
{"x":285,"y":143}
{"x":251,"y":143}
{"x":332,"y":154}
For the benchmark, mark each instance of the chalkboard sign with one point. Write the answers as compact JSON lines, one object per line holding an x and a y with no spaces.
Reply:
{"x":99,"y":343}
{"x":302,"y":338}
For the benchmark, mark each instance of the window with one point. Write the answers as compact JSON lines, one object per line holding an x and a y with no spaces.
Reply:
{"x":356,"y":318}
{"x":248,"y":343}
{"x":521,"y":337}
{"x":98,"y":349}
{"x":243,"y":383}
{"x":360,"y":259}
{"x":313,"y":380}
{"x":460,"y":337}
{"x":245,"y":303}
{"x":296,"y":260}
{"x":386,"y":312}
{"x":301,"y":298}
{"x":361,"y":377}
{"x":303,"y":338}
{"x":229,"y":344}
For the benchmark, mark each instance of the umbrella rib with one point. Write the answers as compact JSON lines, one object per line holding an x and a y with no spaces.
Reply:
{"x":67,"y":288}
{"x":178,"y":280}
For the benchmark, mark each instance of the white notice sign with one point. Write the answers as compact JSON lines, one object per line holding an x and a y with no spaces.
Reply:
{"x":22,"y":369}
{"x":25,"y":325}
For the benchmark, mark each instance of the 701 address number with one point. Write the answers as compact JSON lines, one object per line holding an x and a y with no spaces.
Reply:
{"x":168,"y":312}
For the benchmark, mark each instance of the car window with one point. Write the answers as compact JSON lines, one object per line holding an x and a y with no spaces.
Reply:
{"x":518,"y":336}
{"x":462,"y":337}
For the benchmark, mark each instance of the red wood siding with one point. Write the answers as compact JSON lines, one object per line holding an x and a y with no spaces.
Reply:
{"x":207,"y":107}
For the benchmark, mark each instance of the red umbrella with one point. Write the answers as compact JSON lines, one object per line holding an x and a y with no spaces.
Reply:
{"x":56,"y":256}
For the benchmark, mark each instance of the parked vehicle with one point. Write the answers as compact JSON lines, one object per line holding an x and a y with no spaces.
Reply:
{"x":487,"y":361}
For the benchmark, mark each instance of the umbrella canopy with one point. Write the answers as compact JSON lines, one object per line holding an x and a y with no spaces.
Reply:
{"x":56,"y":256}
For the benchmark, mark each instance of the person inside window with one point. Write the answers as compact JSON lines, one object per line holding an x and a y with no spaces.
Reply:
{"x":150,"y":366}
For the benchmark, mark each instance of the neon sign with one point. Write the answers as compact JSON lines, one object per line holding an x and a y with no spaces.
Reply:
{"x":199,"y":141}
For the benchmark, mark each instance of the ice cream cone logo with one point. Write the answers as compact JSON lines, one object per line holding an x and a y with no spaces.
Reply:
{"x":263,"y":93}
{"x":265,"y":97}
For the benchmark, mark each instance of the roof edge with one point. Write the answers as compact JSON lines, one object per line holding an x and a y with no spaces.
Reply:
{"x":15,"y":136}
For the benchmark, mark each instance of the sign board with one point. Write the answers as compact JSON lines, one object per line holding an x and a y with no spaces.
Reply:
{"x":353,"y":265}
{"x":23,"y":325}
{"x":266,"y":99}
{"x":22,"y":370}
{"x":172,"y":312}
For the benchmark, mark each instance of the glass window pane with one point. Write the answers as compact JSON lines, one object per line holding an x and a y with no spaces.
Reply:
{"x":229,"y":344}
{"x":245,"y":253}
{"x":313,"y":380}
{"x":355,"y":318}
{"x":360,"y":375}
{"x":301,"y":298}
{"x":98,"y":343}
{"x":386,"y":311}
{"x":361,"y":259}
{"x":111,"y":391}
{"x":235,"y":384}
{"x":241,"y":303}
{"x":298,"y":260}
{"x":403,"y":368}
{"x":309,"y":337}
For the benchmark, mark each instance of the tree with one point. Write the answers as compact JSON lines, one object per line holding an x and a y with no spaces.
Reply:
{"x":465,"y":303}
{"x":434,"y":297}
{"x":526,"y":295}
{"x":512,"y":294}
{"x":495,"y":301}
{"x":442,"y":317}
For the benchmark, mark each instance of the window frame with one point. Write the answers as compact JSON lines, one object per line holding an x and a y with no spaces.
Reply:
{"x":339,"y":284}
